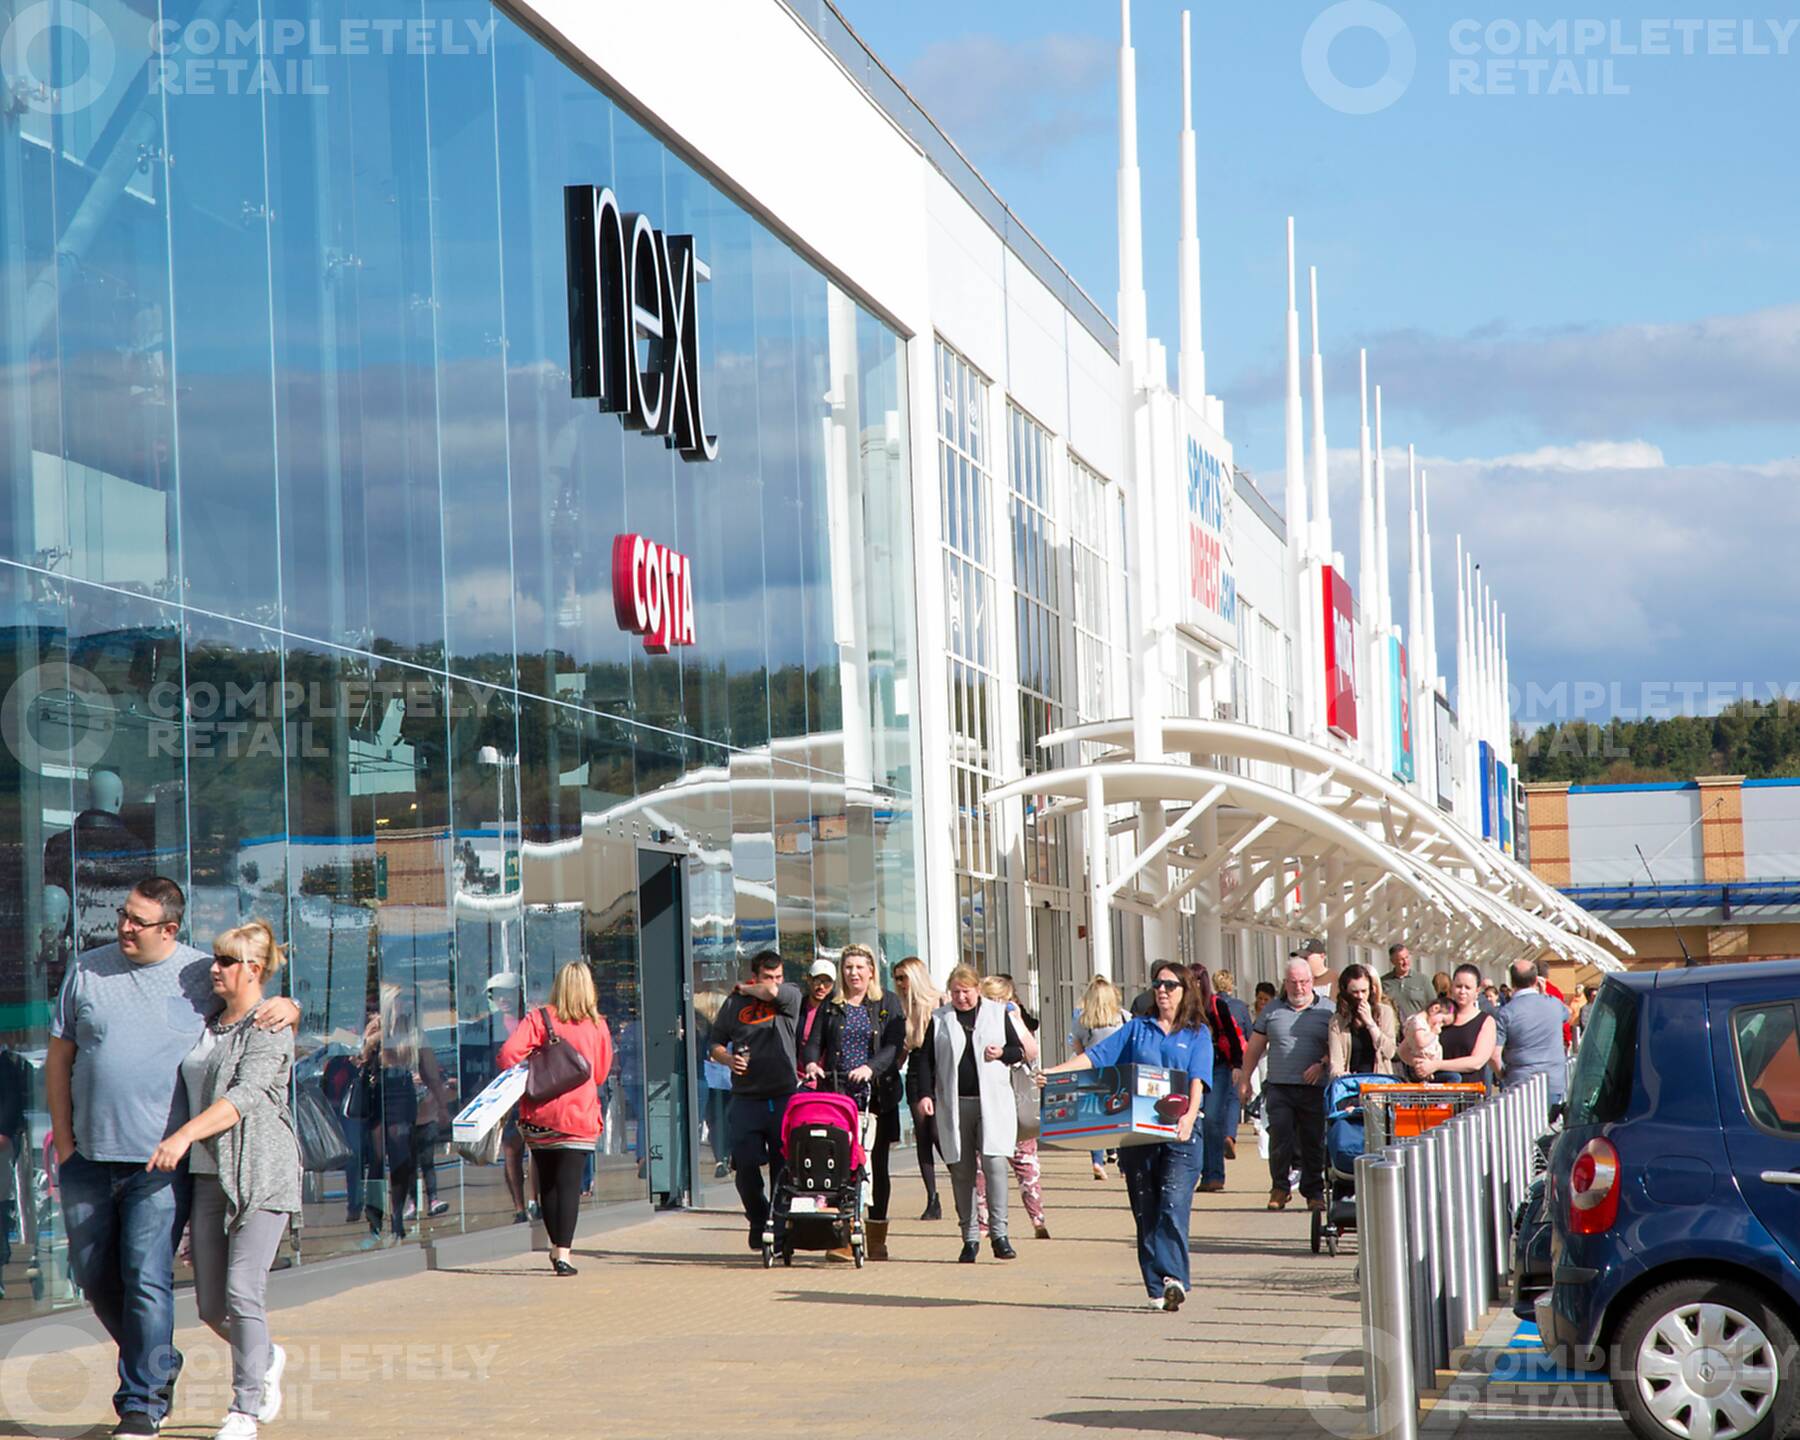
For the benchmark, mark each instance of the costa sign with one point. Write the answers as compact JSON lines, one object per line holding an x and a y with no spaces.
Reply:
{"x":630,"y":283}
{"x":653,"y":592}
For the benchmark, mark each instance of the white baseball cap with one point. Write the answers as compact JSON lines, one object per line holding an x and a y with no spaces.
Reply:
{"x":823,"y":967}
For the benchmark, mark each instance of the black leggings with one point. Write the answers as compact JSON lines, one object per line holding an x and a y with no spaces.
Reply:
{"x":925,"y":1136}
{"x":559,"y":1191}
{"x":887,"y":1131}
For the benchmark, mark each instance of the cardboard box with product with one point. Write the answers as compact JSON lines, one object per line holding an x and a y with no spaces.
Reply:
{"x":478,"y":1118}
{"x":1113,"y":1105}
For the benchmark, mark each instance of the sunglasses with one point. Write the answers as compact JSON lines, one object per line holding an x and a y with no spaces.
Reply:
{"x":1165,"y":985}
{"x":226,"y":960}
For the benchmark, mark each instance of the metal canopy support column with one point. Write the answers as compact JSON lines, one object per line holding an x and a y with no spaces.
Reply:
{"x":1099,"y":892}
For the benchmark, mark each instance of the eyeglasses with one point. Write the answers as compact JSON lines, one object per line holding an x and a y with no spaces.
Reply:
{"x":128,"y":921}
{"x":1165,"y":985}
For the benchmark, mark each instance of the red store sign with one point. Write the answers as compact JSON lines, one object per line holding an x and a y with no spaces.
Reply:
{"x":1340,"y":655}
{"x":653,"y":592}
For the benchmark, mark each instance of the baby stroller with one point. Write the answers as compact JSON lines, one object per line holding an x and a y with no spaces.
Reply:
{"x":819,"y":1200}
{"x":1344,"y":1140}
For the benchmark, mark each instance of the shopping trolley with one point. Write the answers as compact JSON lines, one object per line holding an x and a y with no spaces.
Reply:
{"x":1366,"y":1112}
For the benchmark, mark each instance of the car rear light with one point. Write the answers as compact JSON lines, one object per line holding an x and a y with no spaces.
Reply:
{"x":1594,"y":1189}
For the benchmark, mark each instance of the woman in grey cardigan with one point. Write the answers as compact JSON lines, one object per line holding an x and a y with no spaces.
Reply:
{"x":245,"y":1163}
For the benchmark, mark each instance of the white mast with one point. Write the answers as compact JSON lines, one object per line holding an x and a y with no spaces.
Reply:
{"x":1192,"y":364}
{"x":1372,"y":657}
{"x":1505,"y":695}
{"x":1133,"y":326}
{"x":1415,"y":604}
{"x":1321,"y":482}
{"x":1426,"y":721}
{"x":1383,"y":606}
{"x":1306,"y":682}
{"x":1463,"y":768}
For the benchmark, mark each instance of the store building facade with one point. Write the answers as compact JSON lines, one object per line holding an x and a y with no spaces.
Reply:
{"x":574,"y":483}
{"x":333,"y":589}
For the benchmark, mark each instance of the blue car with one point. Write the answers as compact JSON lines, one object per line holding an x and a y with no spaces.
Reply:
{"x":1675,"y":1197}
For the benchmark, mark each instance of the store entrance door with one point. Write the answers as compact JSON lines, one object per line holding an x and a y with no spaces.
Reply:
{"x":664,"y":978}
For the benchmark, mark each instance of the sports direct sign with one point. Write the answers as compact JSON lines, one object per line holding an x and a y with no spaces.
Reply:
{"x":653,"y":592}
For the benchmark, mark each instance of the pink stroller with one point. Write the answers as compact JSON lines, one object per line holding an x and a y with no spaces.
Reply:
{"x":818,"y":1205}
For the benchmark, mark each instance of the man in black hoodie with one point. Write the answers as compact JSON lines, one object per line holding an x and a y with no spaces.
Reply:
{"x":753,"y":1036}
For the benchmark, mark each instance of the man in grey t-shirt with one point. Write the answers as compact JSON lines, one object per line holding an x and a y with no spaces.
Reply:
{"x":1530,"y":1034}
{"x":1407,"y":990}
{"x":1295,"y":1032}
{"x":127,"y":1015}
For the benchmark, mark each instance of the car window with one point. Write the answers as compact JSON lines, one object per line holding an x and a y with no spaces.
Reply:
{"x":1600,"y":1088}
{"x":1768,"y":1064}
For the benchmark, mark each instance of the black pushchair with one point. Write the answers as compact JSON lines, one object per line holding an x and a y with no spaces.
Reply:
{"x":818,"y":1204}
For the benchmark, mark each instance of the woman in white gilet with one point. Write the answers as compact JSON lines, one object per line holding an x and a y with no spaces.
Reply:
{"x":972,"y":1043}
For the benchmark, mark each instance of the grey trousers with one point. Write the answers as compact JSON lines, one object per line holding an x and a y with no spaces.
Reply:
{"x":231,"y":1276}
{"x":962,"y":1174}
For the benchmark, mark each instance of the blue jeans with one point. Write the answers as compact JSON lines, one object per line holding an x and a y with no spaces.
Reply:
{"x":123,"y":1223}
{"x":1160,"y":1180}
{"x":1221,"y":1120}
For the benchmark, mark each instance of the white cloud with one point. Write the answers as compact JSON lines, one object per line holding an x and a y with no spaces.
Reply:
{"x":1015,"y":101}
{"x":1626,"y":586}
{"x":1583,"y":455}
{"x":1588,"y":381}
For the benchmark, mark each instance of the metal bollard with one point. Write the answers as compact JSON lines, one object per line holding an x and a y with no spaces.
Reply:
{"x":1387,"y":1322}
{"x":1418,"y":1247}
{"x":1474,"y":1250}
{"x":1437,"y":1316}
{"x":1499,"y":1217}
{"x":1455,"y":1237}
{"x":1478,"y":1236}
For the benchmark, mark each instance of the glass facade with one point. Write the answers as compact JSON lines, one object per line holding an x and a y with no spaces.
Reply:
{"x":972,"y":655}
{"x":305,"y":587}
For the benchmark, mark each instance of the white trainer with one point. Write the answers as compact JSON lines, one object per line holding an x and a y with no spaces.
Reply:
{"x":270,"y":1408}
{"x":1155,"y":1302}
{"x":1174,"y":1292}
{"x":237,"y":1426}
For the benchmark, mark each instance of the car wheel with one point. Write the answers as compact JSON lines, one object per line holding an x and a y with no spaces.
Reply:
{"x":1705,"y":1360}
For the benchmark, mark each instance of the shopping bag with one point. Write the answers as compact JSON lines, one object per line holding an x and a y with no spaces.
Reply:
{"x":485,"y":1151}
{"x":1027,"y":1100}
{"x":321,"y":1135}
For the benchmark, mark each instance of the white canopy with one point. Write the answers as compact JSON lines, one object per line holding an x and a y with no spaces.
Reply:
{"x":1399,"y":868}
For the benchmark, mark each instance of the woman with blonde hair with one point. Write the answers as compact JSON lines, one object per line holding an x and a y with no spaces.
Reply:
{"x":912,"y":981}
{"x":1102,"y":1013}
{"x":972,"y":1043}
{"x":561,"y":1131}
{"x":1023,"y":1162}
{"x":245,"y":1162}
{"x":859,"y":1041}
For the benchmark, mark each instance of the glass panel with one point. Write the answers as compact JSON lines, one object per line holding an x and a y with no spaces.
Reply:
{"x":218,"y":207}
{"x":369,"y":814}
{"x":48,"y":726}
{"x":470,"y":330}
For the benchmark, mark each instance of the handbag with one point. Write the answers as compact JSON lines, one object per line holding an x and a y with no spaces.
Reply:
{"x":1027,"y":1100}
{"x":321,"y":1136}
{"x":555,"y":1067}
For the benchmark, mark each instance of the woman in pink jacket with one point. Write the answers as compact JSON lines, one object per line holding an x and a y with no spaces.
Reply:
{"x":562,"y":1132}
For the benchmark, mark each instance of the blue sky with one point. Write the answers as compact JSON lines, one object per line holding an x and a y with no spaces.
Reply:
{"x":1582,"y":307}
